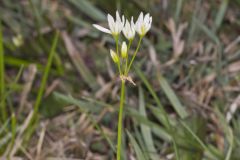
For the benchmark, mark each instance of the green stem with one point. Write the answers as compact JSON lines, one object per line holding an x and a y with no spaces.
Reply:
{"x":116,"y":41}
{"x":175,"y":148}
{"x":119,"y":67}
{"x":126,"y":64}
{"x":134,"y":55}
{"x":32,"y":124}
{"x":46,"y":74}
{"x":120,"y":119}
{"x":2,"y":81}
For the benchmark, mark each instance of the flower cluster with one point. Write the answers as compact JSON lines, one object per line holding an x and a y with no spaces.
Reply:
{"x":129,"y":29}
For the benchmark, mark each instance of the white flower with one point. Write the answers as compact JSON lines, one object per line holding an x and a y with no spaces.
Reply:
{"x":115,"y":27}
{"x":124,"y":50}
{"x":143,"y":24}
{"x":114,"y":56}
{"x":129,"y":30}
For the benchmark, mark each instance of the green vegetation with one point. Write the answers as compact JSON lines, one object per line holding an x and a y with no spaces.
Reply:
{"x":60,"y":91}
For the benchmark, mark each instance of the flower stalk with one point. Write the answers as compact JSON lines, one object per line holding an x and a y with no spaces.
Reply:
{"x":126,"y":63}
{"x":134,"y":55}
{"x":129,"y":29}
{"x":120,"y":120}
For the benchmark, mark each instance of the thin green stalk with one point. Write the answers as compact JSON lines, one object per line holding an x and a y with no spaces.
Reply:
{"x":166,"y":123}
{"x":120,"y":119}
{"x":178,"y":9}
{"x":2,"y":82}
{"x":116,"y":41}
{"x":37,"y":16}
{"x":14,"y":131}
{"x":119,"y":68}
{"x":46,"y":73}
{"x":126,"y":64}
{"x":34,"y":118}
{"x":230,"y":139}
{"x":134,"y":55}
{"x":175,"y":148}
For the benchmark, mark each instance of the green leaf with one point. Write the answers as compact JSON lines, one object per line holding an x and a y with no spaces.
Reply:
{"x":179,"y":108}
{"x":3,"y":110}
{"x":86,"y":7}
{"x":137,"y":149}
{"x":165,"y":121}
{"x":220,"y":14}
{"x":83,"y":105}
{"x":146,"y":131}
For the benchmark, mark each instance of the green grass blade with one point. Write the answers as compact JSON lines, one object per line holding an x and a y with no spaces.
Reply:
{"x":220,"y":14}
{"x":178,"y":9}
{"x":13,"y":131}
{"x":153,"y":93}
{"x":179,"y":108}
{"x":138,"y":138}
{"x":12,"y":86}
{"x":158,"y":130}
{"x":194,"y":135}
{"x":87,"y":8}
{"x":4,"y":126}
{"x":32,"y":124}
{"x":45,"y":74}
{"x":16,"y":62}
{"x":37,"y":17}
{"x":215,"y":39}
{"x":137,"y":149}
{"x":84,"y":106}
{"x":230,"y":138}
{"x":79,"y":63}
{"x":146,"y":131}
{"x":5,"y":141}
{"x":207,"y":31}
{"x":2,"y":81}
{"x":99,"y":128}
{"x":228,"y":132}
{"x":193,"y":26}
{"x":209,"y":152}
{"x":166,"y":122}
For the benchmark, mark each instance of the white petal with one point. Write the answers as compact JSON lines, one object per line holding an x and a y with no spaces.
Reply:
{"x":149,"y":24}
{"x":148,"y":28}
{"x":146,"y":18}
{"x":118,"y":26}
{"x":111,"y":22}
{"x":132,"y":27}
{"x":123,"y":19}
{"x":140,"y":18}
{"x":127,"y":29}
{"x":105,"y":30}
{"x":138,"y":27}
{"x":150,"y":21}
{"x":132,"y":22}
{"x":118,"y":19}
{"x":133,"y":32}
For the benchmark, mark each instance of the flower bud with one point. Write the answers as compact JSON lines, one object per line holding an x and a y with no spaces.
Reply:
{"x":124,"y":50}
{"x":114,"y":56}
{"x":18,"y":40}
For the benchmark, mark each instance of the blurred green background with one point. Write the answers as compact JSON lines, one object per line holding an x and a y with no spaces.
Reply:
{"x":60,"y":91}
